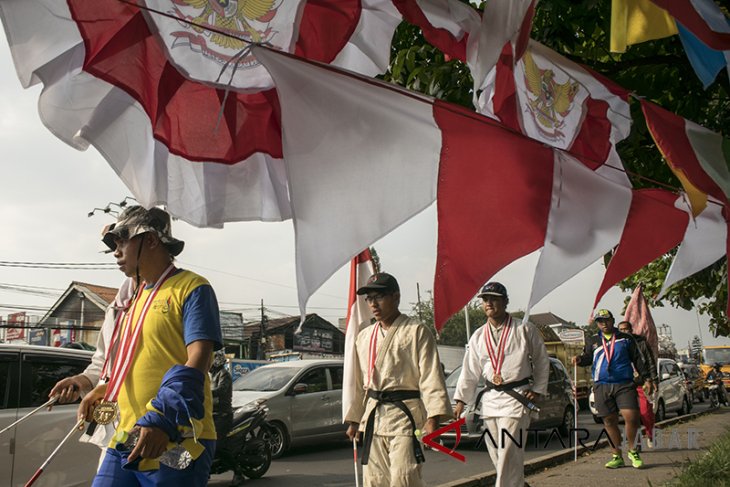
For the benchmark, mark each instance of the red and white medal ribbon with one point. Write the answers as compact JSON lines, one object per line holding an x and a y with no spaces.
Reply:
{"x":497,"y":358}
{"x":130,"y":338}
{"x":608,"y":353}
{"x":372,"y":352}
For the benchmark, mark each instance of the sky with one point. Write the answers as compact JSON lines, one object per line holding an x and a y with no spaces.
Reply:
{"x":47,"y":190}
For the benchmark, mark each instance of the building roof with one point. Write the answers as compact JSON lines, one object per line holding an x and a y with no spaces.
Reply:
{"x":70,"y":301}
{"x":279,"y":325}
{"x":549,"y":318}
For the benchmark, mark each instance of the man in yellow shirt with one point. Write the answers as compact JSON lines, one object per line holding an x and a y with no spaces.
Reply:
{"x":157,"y":390}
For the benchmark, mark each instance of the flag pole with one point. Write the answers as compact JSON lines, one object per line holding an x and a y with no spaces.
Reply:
{"x":575,"y":411}
{"x":46,"y":404}
{"x":354,"y":459}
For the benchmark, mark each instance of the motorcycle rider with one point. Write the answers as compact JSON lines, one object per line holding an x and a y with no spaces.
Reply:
{"x":714,"y":376}
{"x":221,"y":384}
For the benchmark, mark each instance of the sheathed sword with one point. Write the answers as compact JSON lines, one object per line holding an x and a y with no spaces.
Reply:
{"x":50,"y":402}
{"x":77,"y":427}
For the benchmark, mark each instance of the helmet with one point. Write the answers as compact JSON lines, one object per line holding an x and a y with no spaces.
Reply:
{"x":219,"y":358}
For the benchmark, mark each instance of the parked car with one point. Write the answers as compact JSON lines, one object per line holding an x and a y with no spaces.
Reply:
{"x":695,"y":381}
{"x":556,"y":410}
{"x":27,"y":374}
{"x":672,"y":393}
{"x":304,"y":398}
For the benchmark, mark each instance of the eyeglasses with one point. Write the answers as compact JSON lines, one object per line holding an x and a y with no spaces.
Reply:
{"x":376,"y":297}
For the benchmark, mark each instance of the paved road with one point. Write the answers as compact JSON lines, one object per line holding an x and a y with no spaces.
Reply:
{"x":330,"y":464}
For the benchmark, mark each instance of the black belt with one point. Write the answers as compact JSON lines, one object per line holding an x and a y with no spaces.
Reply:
{"x":508,"y":388}
{"x":396,"y":398}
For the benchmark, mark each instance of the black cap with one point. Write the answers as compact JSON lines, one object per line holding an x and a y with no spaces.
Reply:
{"x":493,"y":289}
{"x":382,"y":282}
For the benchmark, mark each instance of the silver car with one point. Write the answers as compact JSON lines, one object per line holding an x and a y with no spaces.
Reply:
{"x":304,"y":398}
{"x":27,"y":374}
{"x":556,"y":409}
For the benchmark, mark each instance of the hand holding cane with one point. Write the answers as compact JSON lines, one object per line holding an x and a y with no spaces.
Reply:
{"x":44,"y":405}
{"x":38,"y":472}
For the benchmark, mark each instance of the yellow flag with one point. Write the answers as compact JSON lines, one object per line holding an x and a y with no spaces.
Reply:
{"x":635,"y":21}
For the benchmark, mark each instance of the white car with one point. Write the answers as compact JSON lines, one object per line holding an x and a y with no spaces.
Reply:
{"x":671,"y":395}
{"x":27,"y":374}
{"x":304,"y":398}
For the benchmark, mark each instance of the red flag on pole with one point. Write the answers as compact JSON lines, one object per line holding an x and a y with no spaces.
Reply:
{"x":638,"y":313}
{"x":358,"y":315}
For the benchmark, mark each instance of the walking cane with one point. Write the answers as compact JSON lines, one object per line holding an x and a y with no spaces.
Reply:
{"x":354,"y":459}
{"x":38,"y":472}
{"x":46,"y":404}
{"x":575,"y":411}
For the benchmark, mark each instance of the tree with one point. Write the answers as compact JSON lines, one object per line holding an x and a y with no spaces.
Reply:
{"x":454,"y":331}
{"x":657,"y":70}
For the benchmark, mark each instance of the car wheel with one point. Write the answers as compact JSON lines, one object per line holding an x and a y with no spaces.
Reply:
{"x":276,"y":435}
{"x":685,"y":407}
{"x":568,"y":421}
{"x":660,"y":414}
{"x":701,"y":396}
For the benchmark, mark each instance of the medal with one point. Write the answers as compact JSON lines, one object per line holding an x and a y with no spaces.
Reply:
{"x":105,"y":412}
{"x":496,"y":357}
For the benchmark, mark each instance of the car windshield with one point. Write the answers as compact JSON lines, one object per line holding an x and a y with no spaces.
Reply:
{"x":265,"y":379}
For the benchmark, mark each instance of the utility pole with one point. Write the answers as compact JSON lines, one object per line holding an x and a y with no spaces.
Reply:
{"x":262,"y":342}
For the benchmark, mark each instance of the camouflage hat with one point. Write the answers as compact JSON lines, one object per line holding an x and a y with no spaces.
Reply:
{"x":136,"y":220}
{"x":603,"y":314}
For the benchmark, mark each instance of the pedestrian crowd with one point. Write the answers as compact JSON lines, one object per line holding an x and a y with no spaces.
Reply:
{"x":147,"y":393}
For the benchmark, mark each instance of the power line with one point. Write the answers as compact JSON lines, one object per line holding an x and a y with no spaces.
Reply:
{"x":86,"y":266}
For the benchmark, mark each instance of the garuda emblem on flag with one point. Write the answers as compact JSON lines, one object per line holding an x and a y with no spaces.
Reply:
{"x":549,"y":101}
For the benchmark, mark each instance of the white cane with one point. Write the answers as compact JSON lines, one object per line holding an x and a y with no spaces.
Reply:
{"x":46,"y":404}
{"x":38,"y":472}
{"x":354,"y":459}
{"x":575,"y":411}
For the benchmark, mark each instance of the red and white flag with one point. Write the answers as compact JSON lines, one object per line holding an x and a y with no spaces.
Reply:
{"x":358,"y":317}
{"x":534,"y":196}
{"x":560,"y":103}
{"x":639,"y":315}
{"x":666,"y":214}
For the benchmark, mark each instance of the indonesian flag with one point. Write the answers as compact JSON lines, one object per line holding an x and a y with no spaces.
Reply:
{"x":184,"y":114}
{"x":384,"y":175}
{"x":503,"y":21}
{"x":639,"y":315}
{"x":450,"y":25}
{"x":703,"y":18}
{"x":666,"y":214}
{"x":704,"y":243}
{"x":560,"y":103}
{"x":358,"y":317}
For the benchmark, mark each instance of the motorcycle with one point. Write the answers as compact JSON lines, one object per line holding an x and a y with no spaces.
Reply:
{"x":244,"y":449}
{"x":717,"y":395}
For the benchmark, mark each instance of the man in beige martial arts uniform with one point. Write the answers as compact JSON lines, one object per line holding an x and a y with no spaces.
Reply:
{"x":512,"y":358}
{"x":399,"y":389}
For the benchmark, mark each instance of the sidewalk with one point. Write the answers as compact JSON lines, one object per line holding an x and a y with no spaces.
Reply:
{"x":682,"y":439}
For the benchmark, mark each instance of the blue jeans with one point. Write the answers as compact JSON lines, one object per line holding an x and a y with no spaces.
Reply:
{"x":111,"y":473}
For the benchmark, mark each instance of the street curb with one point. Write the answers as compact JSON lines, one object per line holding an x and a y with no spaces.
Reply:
{"x":558,"y":458}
